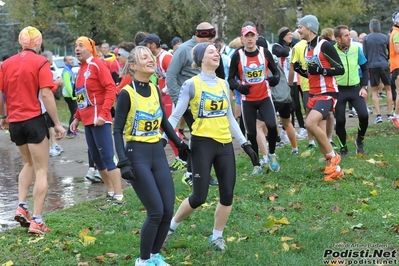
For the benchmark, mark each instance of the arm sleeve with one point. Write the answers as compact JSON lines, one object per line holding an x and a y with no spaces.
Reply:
{"x":337,"y":68}
{"x":220,"y":70}
{"x":175,"y":66}
{"x":166,"y":126}
{"x":271,"y":65}
{"x":66,"y":79}
{"x":234,"y":127}
{"x":121,"y":112}
{"x":281,"y":50}
{"x":233,"y":71}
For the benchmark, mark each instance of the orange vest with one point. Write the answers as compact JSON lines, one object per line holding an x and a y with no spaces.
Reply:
{"x":393,"y":56}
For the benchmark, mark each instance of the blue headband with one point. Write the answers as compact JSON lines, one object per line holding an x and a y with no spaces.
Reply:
{"x":123,"y":52}
{"x":199,"y":51}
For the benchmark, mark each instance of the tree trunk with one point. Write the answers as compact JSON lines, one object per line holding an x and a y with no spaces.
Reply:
{"x":299,"y":10}
{"x":224,"y":19}
{"x":215,"y":16}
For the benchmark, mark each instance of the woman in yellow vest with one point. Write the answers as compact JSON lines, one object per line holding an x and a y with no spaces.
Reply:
{"x":143,"y":161}
{"x":211,"y":140}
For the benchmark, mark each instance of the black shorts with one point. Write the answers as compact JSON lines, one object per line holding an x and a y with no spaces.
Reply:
{"x":378,"y":74}
{"x":33,"y":130}
{"x":305,"y":99}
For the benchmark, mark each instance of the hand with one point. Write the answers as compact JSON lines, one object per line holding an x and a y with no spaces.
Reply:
{"x":99,"y":121}
{"x":59,"y":131}
{"x":184,"y":150}
{"x":315,"y":69}
{"x":363,"y":93}
{"x":164,"y":142}
{"x":127,"y":171}
{"x":298,"y":66}
{"x":243,"y":89}
{"x":4,"y":123}
{"x":273,"y":81}
{"x":250,"y":152}
{"x":74,"y":125}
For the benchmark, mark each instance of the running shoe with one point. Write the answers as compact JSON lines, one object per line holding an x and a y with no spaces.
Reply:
{"x":39,"y":229}
{"x":302,"y":134}
{"x":295,"y":151}
{"x":159,"y":260}
{"x":72,"y":135}
{"x":280,"y":144}
{"x":334,"y":176}
{"x":264,"y":163}
{"x":113,"y":203}
{"x":284,"y":137}
{"x":352,"y":112}
{"x":90,"y":175}
{"x":332,"y":163}
{"x":22,"y":216}
{"x":256,"y":171}
{"x":58,"y":148}
{"x":273,"y":163}
{"x":359,"y":147}
{"x":148,"y":262}
{"x":213,"y":182}
{"x":187,"y":180}
{"x":97,"y":177}
{"x":177,"y":165}
{"x":335,"y":147}
{"x":343,"y":151}
{"x":54,"y":152}
{"x":378,"y":119}
{"x":218,"y":243}
{"x":168,"y":236}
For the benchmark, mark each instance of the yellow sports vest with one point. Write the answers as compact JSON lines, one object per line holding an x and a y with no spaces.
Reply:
{"x":209,"y":108}
{"x":143,"y":121}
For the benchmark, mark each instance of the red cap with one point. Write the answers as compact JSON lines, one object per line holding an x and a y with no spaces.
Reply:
{"x":247,"y":29}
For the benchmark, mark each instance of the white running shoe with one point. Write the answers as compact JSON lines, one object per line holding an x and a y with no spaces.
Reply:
{"x":54,"y":152}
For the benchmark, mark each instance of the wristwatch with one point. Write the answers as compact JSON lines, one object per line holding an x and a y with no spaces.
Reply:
{"x":324,"y":72}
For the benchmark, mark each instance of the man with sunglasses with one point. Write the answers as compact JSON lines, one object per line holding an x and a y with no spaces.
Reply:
{"x":180,"y":70}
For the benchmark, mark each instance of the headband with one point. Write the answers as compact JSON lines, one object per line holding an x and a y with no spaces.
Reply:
{"x":208,"y":33}
{"x":283,"y":33}
{"x":88,"y":43}
{"x":199,"y":51}
{"x":123,"y":52}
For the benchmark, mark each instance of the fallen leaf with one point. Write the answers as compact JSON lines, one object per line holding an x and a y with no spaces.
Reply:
{"x":274,"y":229}
{"x":271,"y":198}
{"x":83,"y":263}
{"x":396,"y":183}
{"x":374,"y":192}
{"x":87,"y":240}
{"x":395,"y":228}
{"x":8,"y":263}
{"x":193,"y":226}
{"x":297,"y":205}
{"x":269,"y":224}
{"x":84,"y":232}
{"x":283,"y":220}
{"x":295,"y":246}
{"x":371,"y":161}
{"x":349,"y":171}
{"x":111,"y":255}
{"x":271,"y":186}
{"x":245,"y":238}
{"x":367,"y":183}
{"x":292,"y":191}
{"x":99,"y":232}
{"x":37,"y":239}
{"x":46,"y":250}
{"x":100,"y":258}
{"x":286,"y":238}
{"x":178,"y":199}
{"x":335,"y":208}
{"x":128,"y":257}
{"x":261,"y":192}
{"x":286,"y":247}
{"x":365,"y":200}
{"x":230,"y":239}
{"x":256,"y":256}
{"x":383,"y":164}
{"x":388,"y":215}
{"x":126,"y":212}
{"x":344,"y":231}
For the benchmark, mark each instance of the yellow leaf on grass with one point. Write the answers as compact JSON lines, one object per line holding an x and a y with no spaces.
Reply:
{"x":46,"y":250}
{"x":3,"y":237}
{"x":261,"y":192}
{"x":344,"y":231}
{"x":293,"y":246}
{"x":36,"y":240}
{"x":83,"y":263}
{"x":186,"y":263}
{"x":269,"y":224}
{"x":8,"y":263}
{"x":178,"y":199}
{"x":205,"y":205}
{"x":286,"y":247}
{"x":371,"y":161}
{"x":87,"y":240}
{"x":367,"y":183}
{"x":349,"y":171}
{"x":374,"y":192}
{"x":231,"y":239}
{"x":271,"y":198}
{"x":286,"y":238}
{"x":283,"y":220}
{"x":100,"y":258}
{"x":256,"y":256}
{"x":19,"y":240}
{"x":84,"y":232}
{"x":111,"y":255}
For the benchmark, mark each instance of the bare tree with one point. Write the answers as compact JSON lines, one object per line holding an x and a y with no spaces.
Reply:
{"x":299,"y":10}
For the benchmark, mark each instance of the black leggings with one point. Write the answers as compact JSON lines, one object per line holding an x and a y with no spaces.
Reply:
{"x":351,"y":95}
{"x":266,"y":109}
{"x":206,"y":152}
{"x":296,"y":106}
{"x":72,"y":105}
{"x":188,"y":117}
{"x":154,"y":187}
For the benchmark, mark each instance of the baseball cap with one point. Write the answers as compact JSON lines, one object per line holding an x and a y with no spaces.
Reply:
{"x":175,"y":41}
{"x":247,"y":29}
{"x":151,"y":38}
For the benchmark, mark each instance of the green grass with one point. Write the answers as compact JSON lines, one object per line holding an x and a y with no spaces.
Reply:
{"x":320,"y":215}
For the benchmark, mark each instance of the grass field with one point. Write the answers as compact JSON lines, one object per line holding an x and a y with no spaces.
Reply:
{"x":287,"y":218}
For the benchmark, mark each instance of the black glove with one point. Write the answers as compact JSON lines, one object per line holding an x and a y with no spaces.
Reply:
{"x":184,"y":150}
{"x":298,"y":69}
{"x":127,"y":171}
{"x":243,"y":89}
{"x":315,"y":69}
{"x":273,"y":81}
{"x":250,"y":152}
{"x":164,"y":142}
